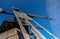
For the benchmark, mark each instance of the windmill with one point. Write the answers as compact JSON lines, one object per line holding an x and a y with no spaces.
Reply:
{"x":22,"y":20}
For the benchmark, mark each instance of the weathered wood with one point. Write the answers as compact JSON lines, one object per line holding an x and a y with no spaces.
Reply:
{"x":11,"y":34}
{"x":25,"y":34}
{"x":7,"y":25}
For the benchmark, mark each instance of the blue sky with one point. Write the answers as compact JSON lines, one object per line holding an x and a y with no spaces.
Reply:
{"x":38,"y":7}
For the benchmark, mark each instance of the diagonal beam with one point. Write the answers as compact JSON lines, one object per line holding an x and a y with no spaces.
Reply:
{"x":33,"y":16}
{"x":25,"y":34}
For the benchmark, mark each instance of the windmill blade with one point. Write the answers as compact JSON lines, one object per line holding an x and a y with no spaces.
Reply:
{"x":2,"y":11}
{"x":25,"y":34}
{"x":32,"y":15}
{"x":5,"y":12}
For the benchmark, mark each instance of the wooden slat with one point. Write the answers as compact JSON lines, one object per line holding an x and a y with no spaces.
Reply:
{"x":25,"y":34}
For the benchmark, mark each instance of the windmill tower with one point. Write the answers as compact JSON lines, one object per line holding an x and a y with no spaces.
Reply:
{"x":19,"y":27}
